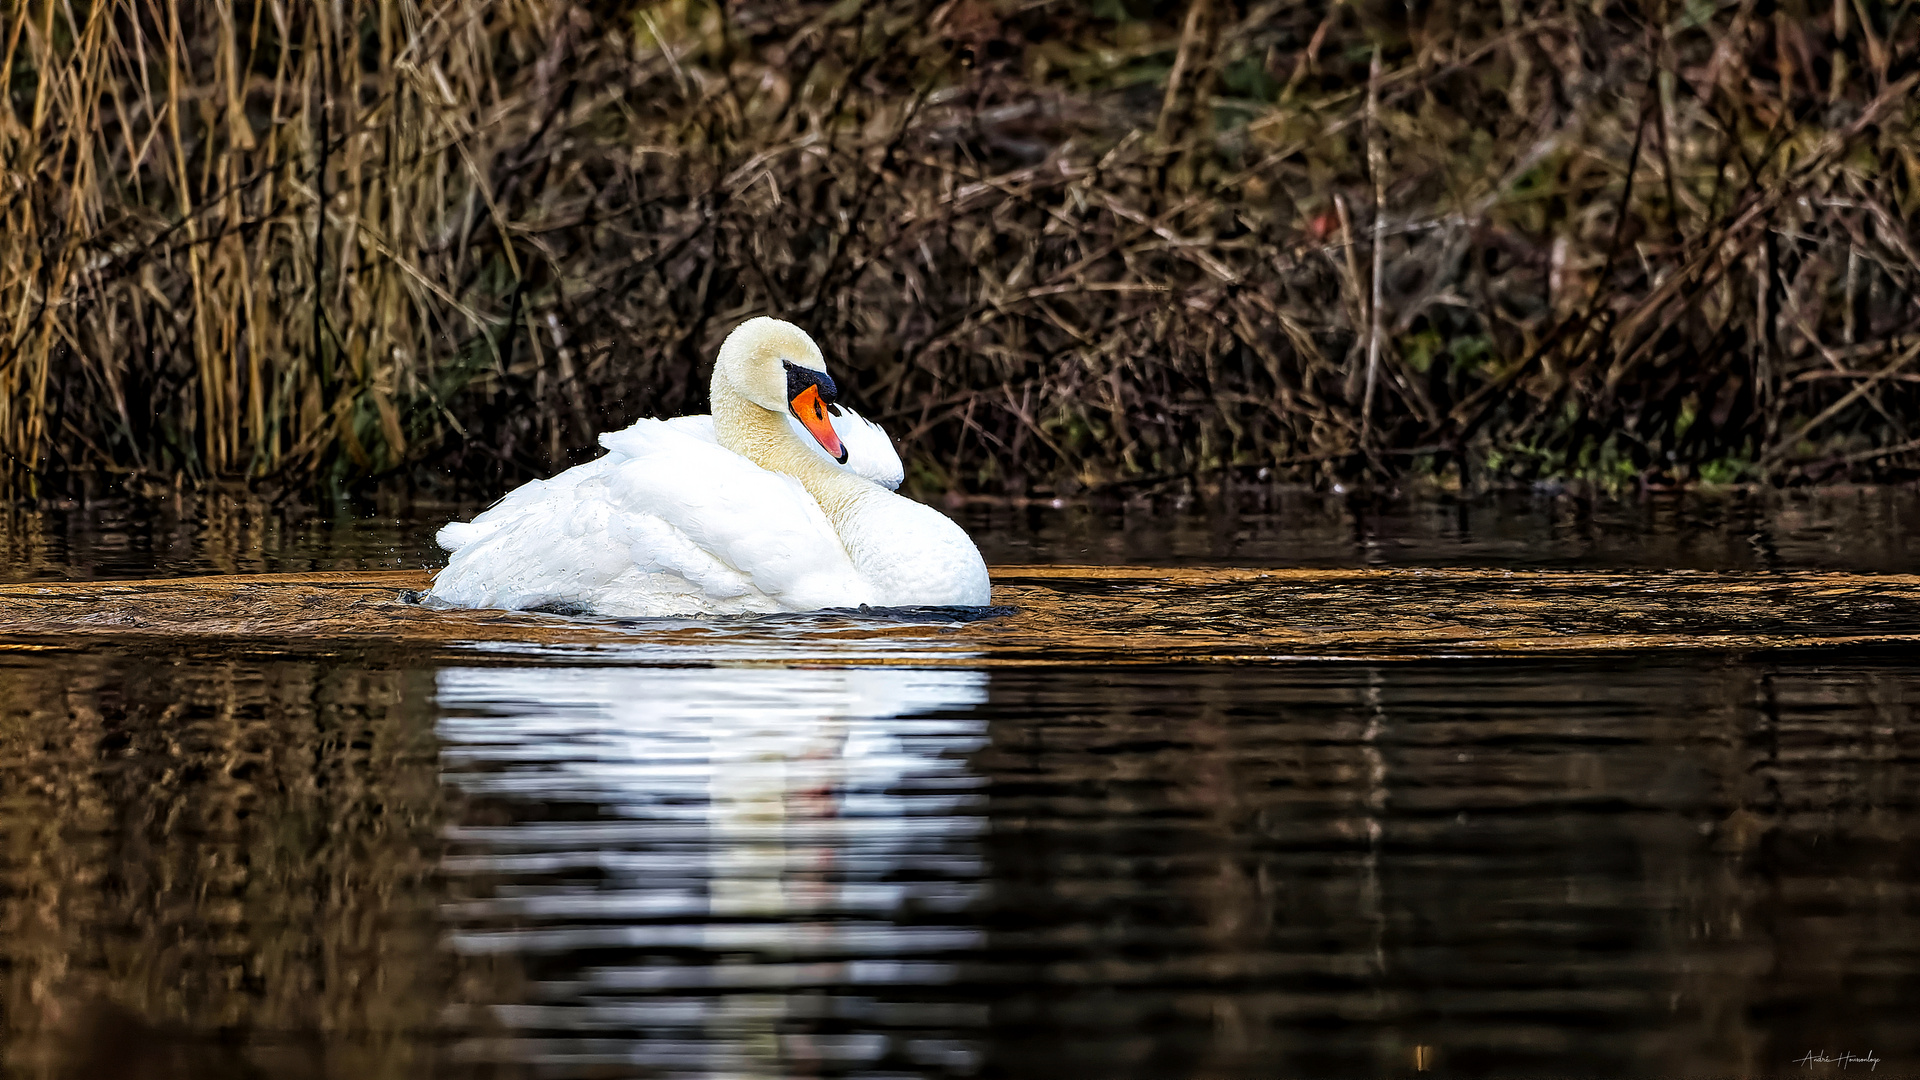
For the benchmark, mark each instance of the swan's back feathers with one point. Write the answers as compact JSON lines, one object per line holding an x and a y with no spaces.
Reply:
{"x":516,"y":504}
{"x":762,"y":522}
{"x":700,"y":427}
{"x":455,"y":535}
{"x":869,"y":451}
{"x":666,"y":523}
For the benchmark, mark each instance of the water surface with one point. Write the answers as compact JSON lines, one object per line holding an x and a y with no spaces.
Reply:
{"x":1407,"y":810}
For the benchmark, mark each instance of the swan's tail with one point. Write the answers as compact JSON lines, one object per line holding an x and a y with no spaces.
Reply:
{"x":458,"y":534}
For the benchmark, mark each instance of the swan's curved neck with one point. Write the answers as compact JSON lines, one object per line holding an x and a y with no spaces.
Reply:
{"x":762,"y":436}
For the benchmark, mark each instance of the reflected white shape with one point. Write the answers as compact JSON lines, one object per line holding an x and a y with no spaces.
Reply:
{"x":681,"y":850}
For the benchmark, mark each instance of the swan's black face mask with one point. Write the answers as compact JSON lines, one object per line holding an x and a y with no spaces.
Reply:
{"x":811,"y":396}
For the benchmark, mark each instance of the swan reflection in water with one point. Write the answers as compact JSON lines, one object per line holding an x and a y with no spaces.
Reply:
{"x":750,"y":871}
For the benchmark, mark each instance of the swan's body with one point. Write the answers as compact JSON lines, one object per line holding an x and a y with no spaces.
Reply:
{"x":718,"y":515}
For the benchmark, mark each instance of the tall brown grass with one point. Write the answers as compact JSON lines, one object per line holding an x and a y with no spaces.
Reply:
{"x":1051,"y":246}
{"x":175,"y":302}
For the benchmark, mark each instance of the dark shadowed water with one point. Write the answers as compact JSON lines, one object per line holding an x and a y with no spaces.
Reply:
{"x":1599,"y":821}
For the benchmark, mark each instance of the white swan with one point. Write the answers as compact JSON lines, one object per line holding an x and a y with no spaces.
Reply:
{"x":727,"y":515}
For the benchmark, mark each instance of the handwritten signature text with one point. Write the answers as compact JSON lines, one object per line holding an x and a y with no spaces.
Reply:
{"x":1821,"y":1057}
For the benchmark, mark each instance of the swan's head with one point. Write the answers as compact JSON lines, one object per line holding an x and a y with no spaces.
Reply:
{"x":776,"y":366}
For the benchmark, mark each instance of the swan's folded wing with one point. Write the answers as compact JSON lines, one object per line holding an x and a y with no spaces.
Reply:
{"x":667,"y":522}
{"x":760,"y":524}
{"x":869,"y":451}
{"x":545,"y":545}
{"x":700,"y":427}
{"x":531,"y":498}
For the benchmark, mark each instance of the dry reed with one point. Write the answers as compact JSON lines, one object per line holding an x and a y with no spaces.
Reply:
{"x":1053,"y":247}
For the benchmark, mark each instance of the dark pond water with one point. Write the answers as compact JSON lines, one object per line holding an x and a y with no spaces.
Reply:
{"x":275,"y":858}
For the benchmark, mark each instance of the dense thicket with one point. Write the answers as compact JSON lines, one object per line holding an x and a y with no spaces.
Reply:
{"x":1050,"y":245}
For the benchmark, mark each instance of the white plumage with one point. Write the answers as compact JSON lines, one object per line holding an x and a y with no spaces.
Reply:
{"x":672,"y":522}
{"x":659,"y":526}
{"x":870,"y":452}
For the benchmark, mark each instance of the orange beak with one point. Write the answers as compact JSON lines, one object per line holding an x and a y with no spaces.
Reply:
{"x":812,"y":414}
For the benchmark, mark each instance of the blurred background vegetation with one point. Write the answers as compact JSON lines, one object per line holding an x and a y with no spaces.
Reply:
{"x":1054,"y":247}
